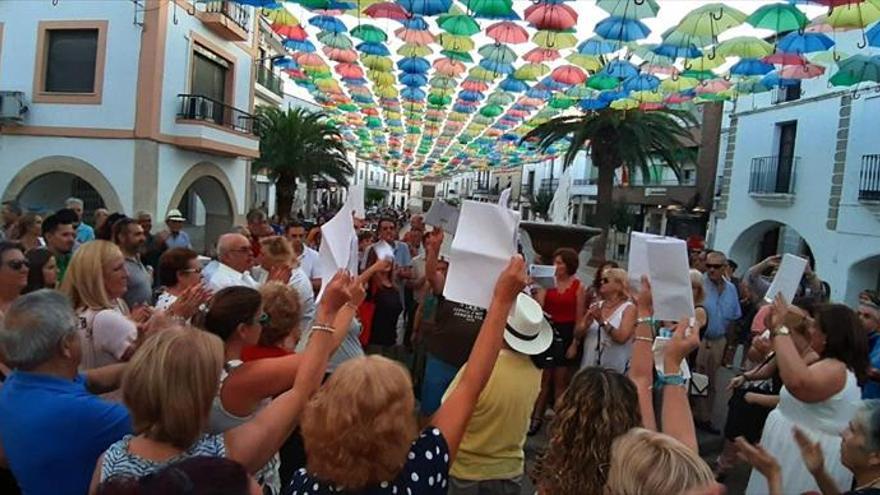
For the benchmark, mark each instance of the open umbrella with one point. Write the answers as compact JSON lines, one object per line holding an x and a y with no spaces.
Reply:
{"x":603,"y":82}
{"x":778,"y":17}
{"x":622,"y":29}
{"x":386,"y":10}
{"x":855,"y":15}
{"x":456,"y":55}
{"x":597,"y":46}
{"x":554,"y":40}
{"x":807,"y":71}
{"x":455,"y":42}
{"x":449,"y":67}
{"x":426,"y":7}
{"x":673,"y":51}
{"x":335,"y":40}
{"x":459,"y":24}
{"x":642,"y":82}
{"x":531,"y":72}
{"x":745,"y":47}
{"x":497,"y":53}
{"x":413,"y":50}
{"x":413,"y":80}
{"x":568,"y":74}
{"x":507,"y":32}
{"x":443,"y":82}
{"x":873,"y":35}
{"x":371,"y":48}
{"x":341,"y":55}
{"x":280,"y":17}
{"x":414,"y":65}
{"x":415,"y":36}
{"x":299,"y":45}
{"x":538,"y":55}
{"x":515,"y":85}
{"x":328,"y":23}
{"x":710,"y":20}
{"x":491,"y":9}
{"x":586,"y":62}
{"x":629,"y":9}
{"x":751,"y":67}
{"x":556,"y":17}
{"x":797,"y":42}
{"x":369,"y":33}
{"x":620,"y":69}
{"x":781,"y":58}
{"x":856,"y":69}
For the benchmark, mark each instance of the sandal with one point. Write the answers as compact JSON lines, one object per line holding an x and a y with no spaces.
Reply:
{"x":535,"y":426}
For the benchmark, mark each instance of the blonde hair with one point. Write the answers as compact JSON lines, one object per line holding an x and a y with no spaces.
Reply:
{"x":618,"y":274}
{"x":359,"y":427}
{"x":170,"y":384}
{"x":697,"y":285}
{"x":281,"y":304}
{"x":277,"y":249}
{"x":645,"y":462}
{"x":84,"y":279}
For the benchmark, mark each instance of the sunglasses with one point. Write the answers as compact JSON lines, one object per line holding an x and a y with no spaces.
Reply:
{"x":18,"y":264}
{"x":191,"y":270}
{"x":713,"y":266}
{"x":264,"y":319}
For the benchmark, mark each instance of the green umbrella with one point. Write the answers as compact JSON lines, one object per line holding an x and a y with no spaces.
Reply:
{"x":745,"y":47}
{"x":483,"y":119}
{"x":348,"y":107}
{"x":678,"y":84}
{"x":629,"y":9}
{"x":462,"y":56}
{"x":579,"y":91}
{"x":497,"y":53}
{"x":373,"y":122}
{"x":748,"y":86}
{"x":710,"y":20}
{"x":500,"y":98}
{"x":531,"y":72}
{"x":701,"y":75}
{"x":603,"y":82}
{"x":370,"y":33}
{"x":561,"y":102}
{"x":684,"y":40}
{"x":439,"y":99}
{"x":554,"y":40}
{"x":443,"y":82}
{"x":313,"y":4}
{"x":856,"y":69}
{"x":778,"y":17}
{"x":335,"y":40}
{"x":490,"y":8}
{"x":491,"y":111}
{"x":459,"y":25}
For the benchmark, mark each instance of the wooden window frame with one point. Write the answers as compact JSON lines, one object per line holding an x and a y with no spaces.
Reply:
{"x":207,"y":45}
{"x":40,"y":94}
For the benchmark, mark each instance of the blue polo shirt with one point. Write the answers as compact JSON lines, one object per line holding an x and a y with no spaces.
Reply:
{"x":721,"y":308}
{"x":871,"y":389}
{"x":84,"y":233}
{"x":53,"y":431}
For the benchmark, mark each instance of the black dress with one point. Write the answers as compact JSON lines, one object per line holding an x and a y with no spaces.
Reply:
{"x":747,"y":420}
{"x":388,"y":309}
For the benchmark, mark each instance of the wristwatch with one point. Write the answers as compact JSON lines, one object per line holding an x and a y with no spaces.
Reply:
{"x":783,"y":330}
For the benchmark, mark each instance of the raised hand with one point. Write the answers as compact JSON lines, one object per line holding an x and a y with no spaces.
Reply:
{"x":141,"y":313}
{"x":512,"y":280}
{"x":280,"y":274}
{"x":357,"y":291}
{"x":778,"y":312}
{"x":645,"y":299}
{"x":811,"y":452}
{"x":187,"y":305}
{"x":681,"y":344}
{"x":759,"y":458}
{"x":434,"y":240}
{"x":336,"y":294}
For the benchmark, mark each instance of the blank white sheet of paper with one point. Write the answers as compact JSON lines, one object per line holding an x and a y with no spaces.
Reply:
{"x":668,"y":271}
{"x":543,"y":275}
{"x":443,"y":215}
{"x":638,"y":257}
{"x":787,"y":278}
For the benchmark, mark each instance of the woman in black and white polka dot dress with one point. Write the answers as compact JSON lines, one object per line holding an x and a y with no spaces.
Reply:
{"x":360,"y":430}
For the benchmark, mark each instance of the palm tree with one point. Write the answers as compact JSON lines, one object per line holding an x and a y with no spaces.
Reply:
{"x":299,"y":144}
{"x":619,"y":138}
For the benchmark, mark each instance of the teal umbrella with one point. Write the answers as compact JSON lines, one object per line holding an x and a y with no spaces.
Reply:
{"x":778,"y":17}
{"x":497,"y":53}
{"x":629,"y":9}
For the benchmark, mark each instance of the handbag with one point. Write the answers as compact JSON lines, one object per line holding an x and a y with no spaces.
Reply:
{"x":554,"y":356}
{"x":698,"y":385}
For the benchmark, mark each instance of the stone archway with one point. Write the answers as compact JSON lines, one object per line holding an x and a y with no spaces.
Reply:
{"x":60,"y":172}
{"x":863,"y":274}
{"x":206,"y":197}
{"x":765,"y":238}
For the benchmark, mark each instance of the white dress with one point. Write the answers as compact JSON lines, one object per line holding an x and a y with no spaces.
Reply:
{"x":601,"y":350}
{"x":823,"y":422}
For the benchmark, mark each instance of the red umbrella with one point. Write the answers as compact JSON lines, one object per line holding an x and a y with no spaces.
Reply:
{"x":836,"y":3}
{"x":471,"y":85}
{"x":552,"y":16}
{"x":568,"y":74}
{"x":807,"y":71}
{"x":387,"y":10}
{"x":340,"y":55}
{"x":650,"y":106}
{"x":507,"y":32}
{"x":293,"y":32}
{"x":538,"y":55}
{"x":782,"y":58}
{"x":370,"y":111}
{"x":677,"y":98}
{"x":351,"y":71}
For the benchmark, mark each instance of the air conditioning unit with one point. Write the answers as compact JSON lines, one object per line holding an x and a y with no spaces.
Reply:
{"x":12,"y":107}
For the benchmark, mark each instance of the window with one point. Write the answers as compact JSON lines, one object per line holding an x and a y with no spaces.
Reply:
{"x":209,"y":75}
{"x":70,"y":62}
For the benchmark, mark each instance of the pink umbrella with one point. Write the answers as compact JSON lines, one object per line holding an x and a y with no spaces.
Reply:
{"x":351,"y":71}
{"x":650,"y":106}
{"x":370,"y":111}
{"x":712,"y":86}
{"x":531,"y":102}
{"x":340,"y":55}
{"x":555,"y":17}
{"x":387,"y":10}
{"x":518,"y":113}
{"x":293,"y":32}
{"x":309,"y":59}
{"x":568,"y":74}
{"x":538,"y":55}
{"x":659,"y":69}
{"x":359,"y":90}
{"x":494,"y":132}
{"x":415,"y":36}
{"x":807,"y":71}
{"x":677,"y":98}
{"x":471,"y":85}
{"x":781,"y":58}
{"x":507,"y":32}
{"x":449,"y":67}
{"x":297,"y":74}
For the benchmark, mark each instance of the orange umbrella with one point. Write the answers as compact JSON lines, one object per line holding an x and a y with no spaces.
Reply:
{"x":340,"y":55}
{"x":538,"y":55}
{"x":415,"y":36}
{"x":351,"y":71}
{"x":449,"y":67}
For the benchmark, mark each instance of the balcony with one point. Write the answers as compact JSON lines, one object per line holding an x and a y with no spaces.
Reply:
{"x":227,"y":19}
{"x":270,"y":81}
{"x":548,"y":186}
{"x":869,"y":179}
{"x":206,"y":110}
{"x":772,"y":178}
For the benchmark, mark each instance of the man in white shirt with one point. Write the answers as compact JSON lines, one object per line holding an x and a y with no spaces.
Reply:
{"x":308,"y":257}
{"x":235,"y":261}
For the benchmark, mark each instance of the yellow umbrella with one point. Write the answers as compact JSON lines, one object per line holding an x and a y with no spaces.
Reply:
{"x":481,"y":74}
{"x":413,"y":50}
{"x":531,"y":72}
{"x":679,"y":84}
{"x":704,"y":63}
{"x":625,"y":104}
{"x":554,"y":40}
{"x":647,"y":96}
{"x":455,"y":43}
{"x":387,"y":92}
{"x":281,"y":17}
{"x":377,"y":62}
{"x":380,"y":78}
{"x":586,"y":62}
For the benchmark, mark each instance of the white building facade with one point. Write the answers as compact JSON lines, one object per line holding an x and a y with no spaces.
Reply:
{"x":800,"y":173}
{"x":131,"y":105}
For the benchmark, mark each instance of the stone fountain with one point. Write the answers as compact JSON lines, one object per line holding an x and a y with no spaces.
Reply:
{"x":546,"y":238}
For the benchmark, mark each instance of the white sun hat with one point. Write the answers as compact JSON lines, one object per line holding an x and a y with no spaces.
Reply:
{"x":528,"y":332}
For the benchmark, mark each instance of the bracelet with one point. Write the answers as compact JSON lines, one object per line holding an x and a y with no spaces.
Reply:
{"x":676,"y":380}
{"x":646,"y":319}
{"x":323,"y":328}
{"x":644,"y":339}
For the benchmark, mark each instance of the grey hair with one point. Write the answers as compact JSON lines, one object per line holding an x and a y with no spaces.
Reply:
{"x":33,"y":327}
{"x":143,"y":213}
{"x":868,"y":417}
{"x":74,"y":201}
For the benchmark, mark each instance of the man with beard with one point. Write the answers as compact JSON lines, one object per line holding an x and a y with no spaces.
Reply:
{"x":60,"y":236}
{"x":129,"y":236}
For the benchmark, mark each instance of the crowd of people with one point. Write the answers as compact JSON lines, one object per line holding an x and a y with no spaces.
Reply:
{"x":133,"y":364}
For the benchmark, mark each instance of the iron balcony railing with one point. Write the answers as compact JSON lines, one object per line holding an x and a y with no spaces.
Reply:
{"x":270,"y":80}
{"x":548,"y":186}
{"x":869,"y":178}
{"x":234,"y":11}
{"x":198,"y":107}
{"x":773,"y":174}
{"x":585,"y":182}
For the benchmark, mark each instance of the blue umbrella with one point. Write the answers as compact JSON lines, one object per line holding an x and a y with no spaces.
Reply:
{"x":510,"y":137}
{"x":549,"y":83}
{"x":497,"y":67}
{"x":414,"y":65}
{"x":266,"y":4}
{"x":622,"y":29}
{"x":471,"y":96}
{"x":873,"y":35}
{"x":285,"y":63}
{"x":597,"y":46}
{"x":751,"y":67}
{"x":426,"y":7}
{"x":328,"y":23}
{"x":620,"y":69}
{"x":413,"y":80}
{"x":773,"y":80}
{"x":362,"y":98}
{"x":642,"y":82}
{"x":299,"y":46}
{"x":610,"y":96}
{"x":354,"y":81}
{"x":413,"y":94}
{"x":463,"y":108}
{"x":371,"y":48}
{"x":416,"y":23}
{"x":541,"y":94}
{"x":673,"y":51}
{"x":796,"y":42}
{"x":593,"y":104}
{"x":336,"y":5}
{"x":513,"y":85}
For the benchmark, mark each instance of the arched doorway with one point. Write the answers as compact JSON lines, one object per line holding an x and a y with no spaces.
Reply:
{"x":767,"y":238}
{"x":864,"y":274}
{"x":43,"y":186}
{"x":205,"y":197}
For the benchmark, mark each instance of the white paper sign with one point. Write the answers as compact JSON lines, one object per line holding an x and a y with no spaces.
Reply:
{"x":638,"y":258}
{"x":335,"y":250}
{"x":483,"y":244}
{"x":543,"y":275}
{"x":668,"y":272}
{"x":383,"y":251}
{"x":355,"y":200}
{"x":443,"y":215}
{"x":504,"y":198}
{"x":787,"y":278}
